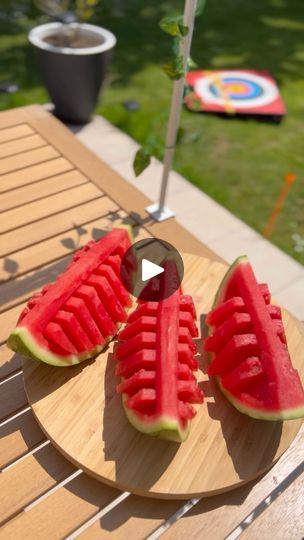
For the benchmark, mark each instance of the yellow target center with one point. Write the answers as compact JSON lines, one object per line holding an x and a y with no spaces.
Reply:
{"x":234,"y":88}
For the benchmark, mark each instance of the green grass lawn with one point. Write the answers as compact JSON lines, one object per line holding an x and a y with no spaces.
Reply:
{"x":240,"y":163}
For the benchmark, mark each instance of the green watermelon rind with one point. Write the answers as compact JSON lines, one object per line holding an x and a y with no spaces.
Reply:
{"x":257,"y":413}
{"x":22,"y":341}
{"x":129,"y":229}
{"x":262,"y":414}
{"x":162,"y":427}
{"x":243,"y":259}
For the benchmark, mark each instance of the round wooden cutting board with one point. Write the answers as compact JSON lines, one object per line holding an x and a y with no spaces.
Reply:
{"x":80,"y":411}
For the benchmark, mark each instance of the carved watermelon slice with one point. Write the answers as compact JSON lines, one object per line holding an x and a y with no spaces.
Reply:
{"x":250,"y":358}
{"x":75,"y":317}
{"x":156,"y":361}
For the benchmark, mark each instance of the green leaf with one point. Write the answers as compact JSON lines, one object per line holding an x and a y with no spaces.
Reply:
{"x":86,"y":14}
{"x":174,"y":26}
{"x":85,"y":8}
{"x":200,"y":7}
{"x":191,"y":64}
{"x":185,"y":136}
{"x":181,"y":132}
{"x":195,"y":103}
{"x":154,"y":146}
{"x":193,"y":137}
{"x":141,"y":161}
{"x":175,"y":68}
{"x":188,"y":89}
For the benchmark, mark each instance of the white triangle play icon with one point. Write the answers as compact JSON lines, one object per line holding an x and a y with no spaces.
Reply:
{"x":149,"y":270}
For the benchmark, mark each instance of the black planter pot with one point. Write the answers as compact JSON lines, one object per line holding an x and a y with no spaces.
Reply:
{"x":73,"y":77}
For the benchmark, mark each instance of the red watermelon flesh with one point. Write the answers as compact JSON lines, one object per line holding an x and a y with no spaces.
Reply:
{"x":250,"y":358}
{"x":75,"y":317}
{"x":156,"y":361}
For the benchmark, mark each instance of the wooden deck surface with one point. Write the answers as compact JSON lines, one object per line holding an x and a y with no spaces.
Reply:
{"x":55,"y":196}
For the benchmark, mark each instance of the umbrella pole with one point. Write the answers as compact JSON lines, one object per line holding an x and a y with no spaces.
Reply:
{"x":158,"y":210}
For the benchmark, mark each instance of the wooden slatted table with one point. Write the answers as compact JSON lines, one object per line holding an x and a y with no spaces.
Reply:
{"x":55,"y":196}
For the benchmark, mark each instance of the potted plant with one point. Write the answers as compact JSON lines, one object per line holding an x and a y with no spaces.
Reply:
{"x":73,"y":57}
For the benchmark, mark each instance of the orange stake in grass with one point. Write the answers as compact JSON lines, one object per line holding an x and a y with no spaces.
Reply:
{"x":288,"y":181}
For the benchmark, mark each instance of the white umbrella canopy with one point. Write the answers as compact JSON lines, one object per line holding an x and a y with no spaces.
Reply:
{"x":158,"y":210}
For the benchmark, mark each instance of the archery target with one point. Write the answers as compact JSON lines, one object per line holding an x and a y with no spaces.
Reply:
{"x":242,"y":90}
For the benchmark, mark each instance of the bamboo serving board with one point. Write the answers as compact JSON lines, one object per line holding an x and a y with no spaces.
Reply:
{"x":79,"y":410}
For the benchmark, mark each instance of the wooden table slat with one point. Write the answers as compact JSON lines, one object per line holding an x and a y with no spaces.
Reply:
{"x":21,"y":115}
{"x":12,"y":148}
{"x":16,"y":132}
{"x":41,"y":189}
{"x":18,"y":291}
{"x":68,"y":508}
{"x":9,"y":361}
{"x":34,"y":211}
{"x":287,"y":524}
{"x":30,"y":478}
{"x":27,"y":259}
{"x":19,"y":436}
{"x":55,"y":224}
{"x":80,"y":500}
{"x":34,"y":174}
{"x":25,"y":159}
{"x":12,"y":396}
{"x":8,"y":321}
{"x":135,"y":518}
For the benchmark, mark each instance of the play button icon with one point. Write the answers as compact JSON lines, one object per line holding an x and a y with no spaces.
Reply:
{"x":152,"y":269}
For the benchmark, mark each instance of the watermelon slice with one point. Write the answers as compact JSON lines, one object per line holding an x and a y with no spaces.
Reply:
{"x":250,"y":357}
{"x":156,"y":361}
{"x":75,"y":317}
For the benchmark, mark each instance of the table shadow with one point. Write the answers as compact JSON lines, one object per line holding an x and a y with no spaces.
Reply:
{"x":49,"y":374}
{"x":240,"y":431}
{"x":11,"y":365}
{"x":139,"y":460}
{"x":29,"y":431}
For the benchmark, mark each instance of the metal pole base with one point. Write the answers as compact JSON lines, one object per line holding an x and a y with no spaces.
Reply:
{"x":158,"y":215}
